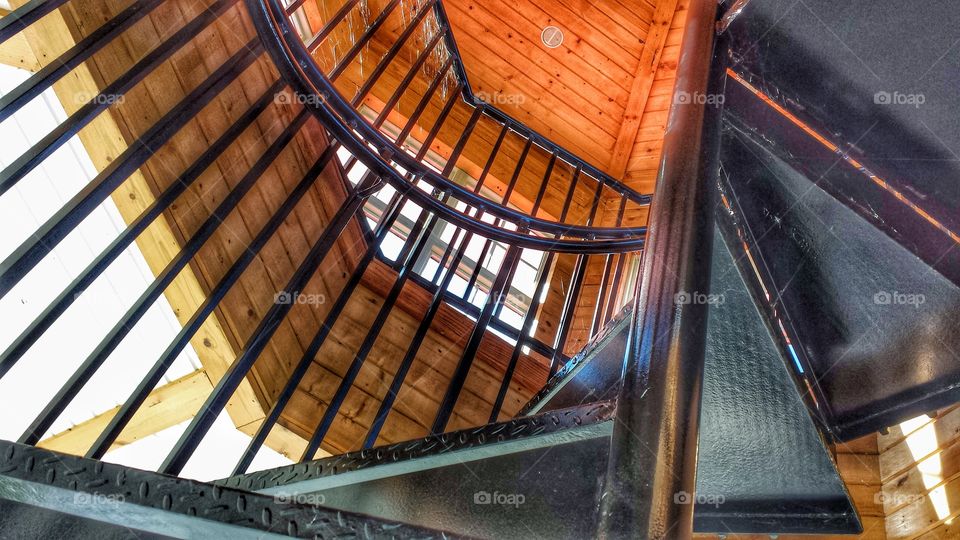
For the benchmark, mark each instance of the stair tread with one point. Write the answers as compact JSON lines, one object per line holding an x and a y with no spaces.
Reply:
{"x":179,"y":507}
{"x":559,"y":425}
{"x":581,"y":359}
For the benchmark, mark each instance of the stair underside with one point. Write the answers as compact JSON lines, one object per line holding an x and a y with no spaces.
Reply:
{"x":44,"y":486}
{"x":763,"y":466}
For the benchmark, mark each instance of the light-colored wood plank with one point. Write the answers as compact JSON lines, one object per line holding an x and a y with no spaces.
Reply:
{"x":640,"y":90}
{"x":16,"y":52}
{"x":166,"y":406}
{"x":104,"y":140}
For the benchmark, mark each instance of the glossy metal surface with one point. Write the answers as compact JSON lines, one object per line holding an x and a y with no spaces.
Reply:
{"x":761,"y":459}
{"x":654,"y":447}
{"x":176,"y":507}
{"x":593,"y":374}
{"x":880,"y":82}
{"x":873,"y":326}
{"x":379,"y":155}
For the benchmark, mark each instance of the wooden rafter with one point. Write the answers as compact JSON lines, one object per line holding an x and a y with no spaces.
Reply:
{"x":165,"y":407}
{"x":642,"y":83}
{"x":16,"y":52}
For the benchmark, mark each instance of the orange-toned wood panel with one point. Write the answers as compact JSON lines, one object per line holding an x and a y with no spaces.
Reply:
{"x":477,"y":151}
{"x":641,"y":171}
{"x":576,"y":93}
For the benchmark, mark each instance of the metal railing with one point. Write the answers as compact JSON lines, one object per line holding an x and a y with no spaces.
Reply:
{"x":470,"y":249}
{"x":298,"y":51}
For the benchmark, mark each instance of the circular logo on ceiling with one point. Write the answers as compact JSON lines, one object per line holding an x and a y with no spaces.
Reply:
{"x":552,"y":37}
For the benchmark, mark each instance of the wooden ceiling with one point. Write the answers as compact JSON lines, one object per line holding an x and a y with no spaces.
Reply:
{"x":603,"y":93}
{"x":229,"y":328}
{"x":580,"y":94}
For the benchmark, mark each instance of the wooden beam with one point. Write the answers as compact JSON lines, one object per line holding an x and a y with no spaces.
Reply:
{"x":283,"y":441}
{"x":165,"y":407}
{"x":16,"y":52}
{"x":640,"y":90}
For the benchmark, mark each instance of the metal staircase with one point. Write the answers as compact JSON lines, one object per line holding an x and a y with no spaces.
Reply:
{"x":695,"y":392}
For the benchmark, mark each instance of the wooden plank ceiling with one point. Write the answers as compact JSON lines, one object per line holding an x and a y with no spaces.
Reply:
{"x":225,"y":332}
{"x":593,"y":94}
{"x":603,"y":93}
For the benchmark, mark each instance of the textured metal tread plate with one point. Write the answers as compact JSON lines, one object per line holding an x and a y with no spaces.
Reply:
{"x":569,"y":370}
{"x":166,"y":505}
{"x":558,"y":426}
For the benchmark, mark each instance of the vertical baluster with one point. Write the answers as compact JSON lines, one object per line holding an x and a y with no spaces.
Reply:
{"x":386,"y":405}
{"x":418,"y":249}
{"x":412,"y":121}
{"x":394,"y":49}
{"x":29,"y":160}
{"x":173,"y":350}
{"x":119,"y":331}
{"x":362,"y":40}
{"x":390,"y":215}
{"x":598,"y":309}
{"x":55,"y":229}
{"x":498,"y":293}
{"x":22,"y":17}
{"x":617,"y":279}
{"x":568,"y":313}
{"x":238,"y":370}
{"x":525,"y":330}
{"x":65,"y":299}
{"x":471,"y":283}
{"x":427,"y":320}
{"x":12,"y":101}
{"x":531,"y":314}
{"x":405,"y":83}
{"x":329,"y":26}
{"x":536,"y":204}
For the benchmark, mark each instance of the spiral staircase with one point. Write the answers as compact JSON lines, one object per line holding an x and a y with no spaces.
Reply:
{"x":575,"y":358}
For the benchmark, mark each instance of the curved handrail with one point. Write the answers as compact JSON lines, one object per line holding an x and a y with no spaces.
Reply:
{"x":470,"y":97}
{"x":303,"y":74}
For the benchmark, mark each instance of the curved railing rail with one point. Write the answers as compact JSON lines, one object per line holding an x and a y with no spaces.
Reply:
{"x":492,"y":262}
{"x":296,"y":57}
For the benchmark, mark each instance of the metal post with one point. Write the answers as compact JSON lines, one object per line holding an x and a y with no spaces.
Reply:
{"x":498,"y":294}
{"x":653,"y":453}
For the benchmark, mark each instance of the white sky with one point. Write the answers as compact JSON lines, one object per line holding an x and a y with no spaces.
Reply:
{"x":26,"y":389}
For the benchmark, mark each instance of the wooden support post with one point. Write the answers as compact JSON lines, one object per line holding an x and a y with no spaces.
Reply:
{"x":640,"y":90}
